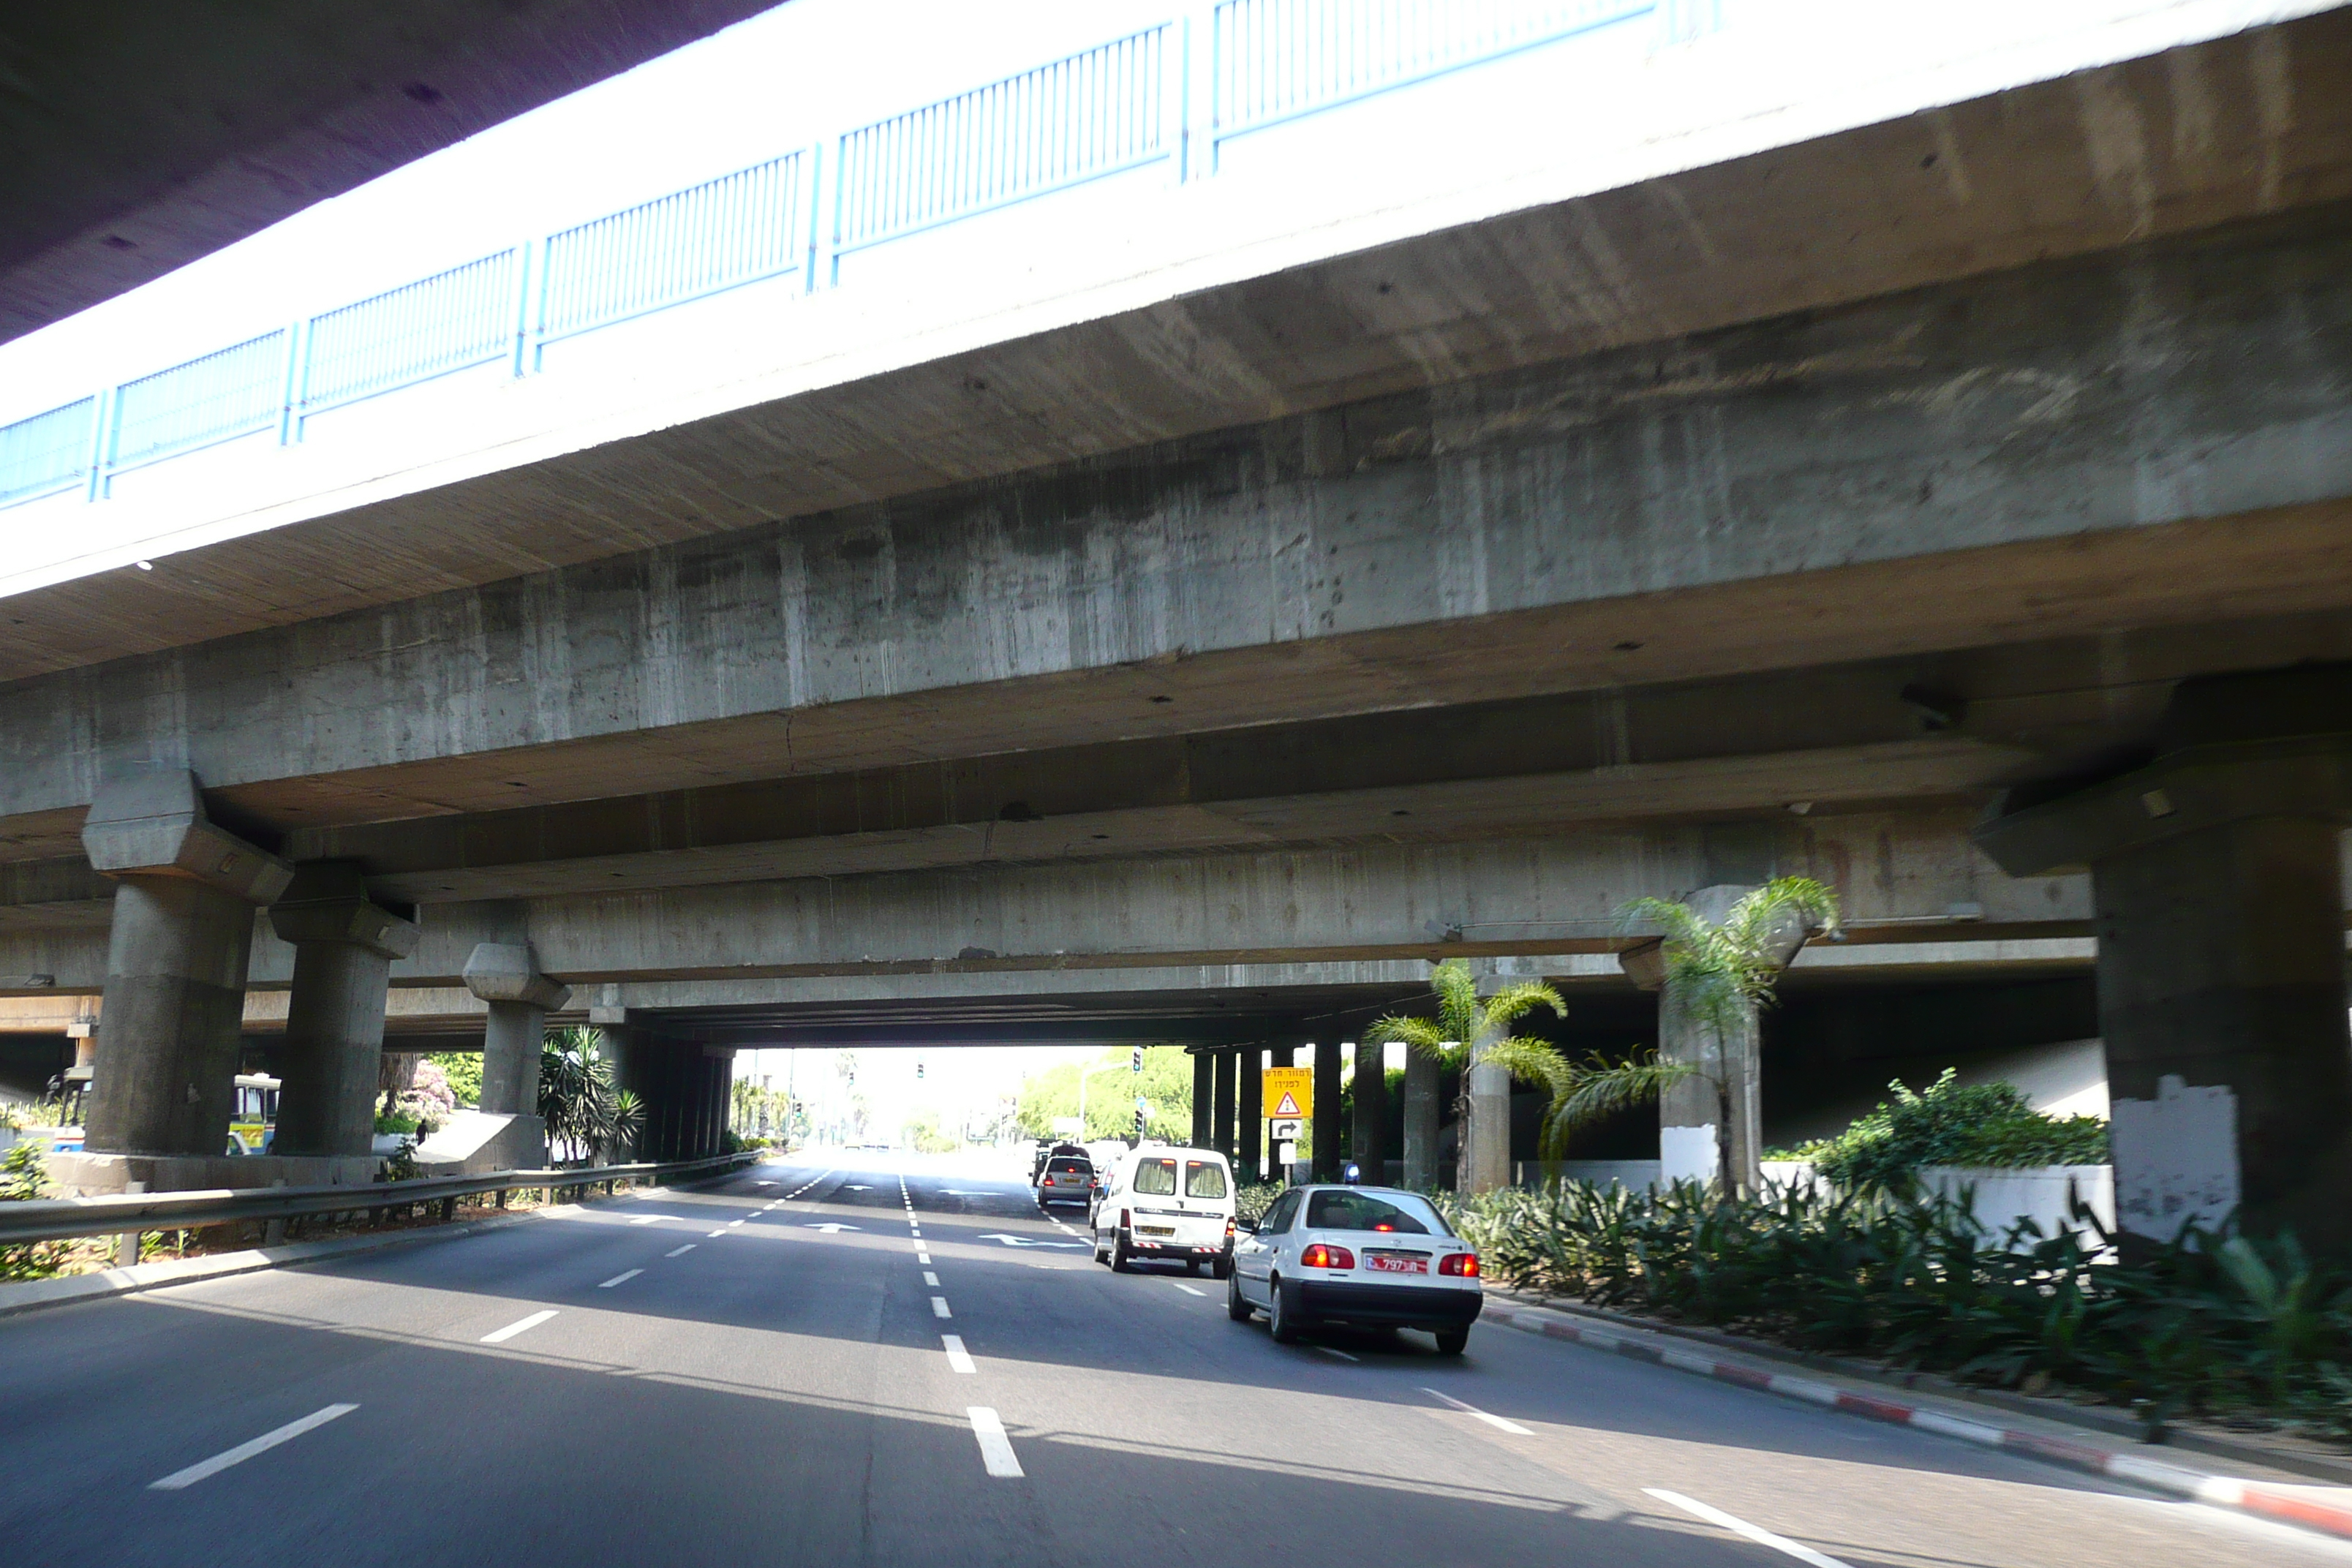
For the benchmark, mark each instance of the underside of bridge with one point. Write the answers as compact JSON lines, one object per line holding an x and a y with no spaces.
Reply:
{"x":1205,"y":672}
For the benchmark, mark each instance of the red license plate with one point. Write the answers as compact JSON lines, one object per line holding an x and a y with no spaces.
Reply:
{"x":1380,"y":1265}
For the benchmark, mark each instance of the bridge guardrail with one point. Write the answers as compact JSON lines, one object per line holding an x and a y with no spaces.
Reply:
{"x":58,"y":1219}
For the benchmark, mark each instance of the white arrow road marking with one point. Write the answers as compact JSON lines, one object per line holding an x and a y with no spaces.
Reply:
{"x":269,"y":1440}
{"x":830,"y":1227}
{"x":853,"y":1187}
{"x":1494,"y":1421}
{"x":1761,"y":1536}
{"x":1025,"y":1240}
{"x":620,"y":1279}
{"x":957,"y":1358}
{"x":995,"y":1448}
{"x":1186,"y":1288}
{"x":521,"y":1325}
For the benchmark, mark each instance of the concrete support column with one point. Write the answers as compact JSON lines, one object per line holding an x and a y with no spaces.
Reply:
{"x":1227,"y":1064}
{"x":2218,"y":906}
{"x":176,"y":961}
{"x":506,"y":976}
{"x":343,"y":948}
{"x":1205,"y":1097}
{"x":1371,"y":1118}
{"x":1422,"y":1119}
{"x":1488,"y":1135}
{"x":619,"y":1052}
{"x":1249,"y":1112}
{"x":1328,"y":1107}
{"x":1714,"y":1120}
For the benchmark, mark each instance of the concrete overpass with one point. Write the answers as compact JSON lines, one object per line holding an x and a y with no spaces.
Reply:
{"x":1296,"y":562}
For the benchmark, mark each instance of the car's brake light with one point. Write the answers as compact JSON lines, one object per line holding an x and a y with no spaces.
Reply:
{"x":1320,"y":1256}
{"x":1462,"y":1263}
{"x":1229,"y":1229}
{"x":1125,"y":1220}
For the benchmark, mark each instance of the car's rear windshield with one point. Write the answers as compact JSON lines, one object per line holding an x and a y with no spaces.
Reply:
{"x":1071,"y":1168}
{"x":1400,"y":1214}
{"x":1203,"y":1179}
{"x":1156,"y":1178}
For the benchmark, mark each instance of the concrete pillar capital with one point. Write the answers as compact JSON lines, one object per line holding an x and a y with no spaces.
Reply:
{"x":504,"y":972}
{"x":328,"y":901}
{"x":153,"y":825}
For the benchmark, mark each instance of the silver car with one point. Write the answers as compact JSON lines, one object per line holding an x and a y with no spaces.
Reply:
{"x":1066,"y":1179}
{"x":1372,"y":1257}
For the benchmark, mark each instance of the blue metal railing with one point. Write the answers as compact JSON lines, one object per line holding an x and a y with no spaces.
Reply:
{"x":48,"y":453}
{"x":1134,"y":101}
{"x":1080,"y":118}
{"x":228,"y":392}
{"x":1277,"y":59}
{"x":740,"y":228}
{"x":452,"y":321}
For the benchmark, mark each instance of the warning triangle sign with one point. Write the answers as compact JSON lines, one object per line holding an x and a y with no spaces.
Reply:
{"x":1287,"y":1106}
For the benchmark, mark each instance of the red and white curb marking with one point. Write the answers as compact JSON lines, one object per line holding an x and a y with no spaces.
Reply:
{"x":2330,"y":1514}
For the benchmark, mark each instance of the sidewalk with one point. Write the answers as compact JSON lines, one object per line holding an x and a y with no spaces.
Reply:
{"x":2270,"y":1494}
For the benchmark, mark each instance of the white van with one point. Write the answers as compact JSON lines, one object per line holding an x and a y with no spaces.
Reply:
{"x":1172,"y":1203}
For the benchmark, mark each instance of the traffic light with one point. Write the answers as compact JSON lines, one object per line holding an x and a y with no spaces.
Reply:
{"x":1136,"y":1063}
{"x":918,"y":1069}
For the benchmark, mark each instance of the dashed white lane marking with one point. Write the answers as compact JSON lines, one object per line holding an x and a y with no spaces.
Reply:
{"x":957,"y":1356}
{"x":995,"y":1448}
{"x":1187,"y":1288}
{"x":269,"y":1440}
{"x":521,"y":1325}
{"x":621,"y":1278}
{"x":930,"y":1279}
{"x":940,"y":1306}
{"x":1343,"y":1355}
{"x":652,"y":1218}
{"x":1756,"y":1534}
{"x":679,"y":1252}
{"x":720,"y":1231}
{"x":1494,"y":1421}
{"x":922,"y":1256}
{"x":733,"y":1223}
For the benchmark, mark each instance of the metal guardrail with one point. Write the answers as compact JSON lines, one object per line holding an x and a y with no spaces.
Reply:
{"x":58,"y":1219}
{"x":1175,"y":92}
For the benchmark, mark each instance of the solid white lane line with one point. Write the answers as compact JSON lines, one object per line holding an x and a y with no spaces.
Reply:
{"x":1327,"y":1350}
{"x":620,"y":1279}
{"x":1756,"y":1534}
{"x":521,"y":1325}
{"x":940,"y":1306}
{"x":957,"y":1358}
{"x":995,"y":1448}
{"x":1488,"y":1416}
{"x":930,"y":1279}
{"x":1186,"y":1288}
{"x":680,"y":1252}
{"x":269,"y":1440}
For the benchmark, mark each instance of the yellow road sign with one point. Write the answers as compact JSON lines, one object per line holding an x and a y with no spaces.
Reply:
{"x":1288,"y":1092}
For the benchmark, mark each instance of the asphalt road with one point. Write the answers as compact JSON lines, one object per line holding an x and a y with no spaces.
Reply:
{"x":715,"y":1377}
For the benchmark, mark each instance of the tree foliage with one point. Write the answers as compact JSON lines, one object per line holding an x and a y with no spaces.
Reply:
{"x":584,"y":1113}
{"x":1470,"y":1030}
{"x":1165,"y":1083}
{"x":1947,"y":1123}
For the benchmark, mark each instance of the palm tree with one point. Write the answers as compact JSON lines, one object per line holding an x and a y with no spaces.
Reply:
{"x":576,"y":1097}
{"x":1470,"y":1031}
{"x":1718,"y":974}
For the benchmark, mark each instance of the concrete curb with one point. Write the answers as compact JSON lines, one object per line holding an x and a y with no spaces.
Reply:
{"x":31,"y":1295}
{"x":2325,"y":1509}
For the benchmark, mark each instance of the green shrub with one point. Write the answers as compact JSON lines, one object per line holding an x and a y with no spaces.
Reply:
{"x":2212,"y":1324}
{"x":23,"y":1177}
{"x":1250,"y":1203}
{"x":1988,"y":1124}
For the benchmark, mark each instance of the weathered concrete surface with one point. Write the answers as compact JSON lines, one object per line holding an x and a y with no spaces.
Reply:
{"x":1748,"y":194}
{"x":1753,"y":499}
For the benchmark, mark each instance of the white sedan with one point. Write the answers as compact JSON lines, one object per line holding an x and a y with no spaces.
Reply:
{"x":1372,"y":1256}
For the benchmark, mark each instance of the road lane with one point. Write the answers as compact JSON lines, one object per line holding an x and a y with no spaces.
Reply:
{"x":789,"y":1393}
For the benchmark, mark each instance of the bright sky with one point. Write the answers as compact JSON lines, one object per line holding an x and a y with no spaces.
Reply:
{"x":956,"y":1079}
